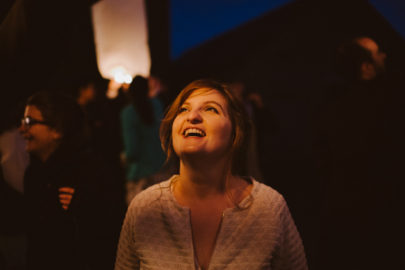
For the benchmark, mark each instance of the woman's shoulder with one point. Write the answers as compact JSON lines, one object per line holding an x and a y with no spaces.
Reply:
{"x":267,"y":195}
{"x":150,"y":197}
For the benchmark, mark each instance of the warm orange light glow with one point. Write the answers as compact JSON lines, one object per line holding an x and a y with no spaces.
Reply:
{"x":121,"y":39}
{"x":113,"y":88}
{"x":121,"y":75}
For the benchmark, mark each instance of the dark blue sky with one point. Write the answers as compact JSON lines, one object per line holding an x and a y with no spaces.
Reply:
{"x":195,"y":21}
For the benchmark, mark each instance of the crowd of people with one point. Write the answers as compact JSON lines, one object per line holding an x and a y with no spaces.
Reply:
{"x":139,"y":182}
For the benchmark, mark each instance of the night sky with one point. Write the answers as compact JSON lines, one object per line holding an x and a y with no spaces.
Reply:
{"x":196,"y":21}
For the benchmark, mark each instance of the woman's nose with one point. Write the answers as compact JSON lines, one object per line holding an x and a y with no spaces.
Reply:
{"x":194,"y":116}
{"x":22,"y":128}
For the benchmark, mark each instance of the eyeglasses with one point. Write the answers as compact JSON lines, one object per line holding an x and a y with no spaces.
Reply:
{"x":28,"y":121}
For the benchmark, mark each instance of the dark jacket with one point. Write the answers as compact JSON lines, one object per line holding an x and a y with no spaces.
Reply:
{"x":85,"y":235}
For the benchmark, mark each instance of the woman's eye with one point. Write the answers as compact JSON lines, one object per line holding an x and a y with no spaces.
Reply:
{"x":182,"y":109}
{"x":211,"y":109}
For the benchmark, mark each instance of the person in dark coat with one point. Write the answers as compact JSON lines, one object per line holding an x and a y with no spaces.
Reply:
{"x":71,"y":220}
{"x":362,"y":133}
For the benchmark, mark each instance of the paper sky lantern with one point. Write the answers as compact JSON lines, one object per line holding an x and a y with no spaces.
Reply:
{"x":121,"y":39}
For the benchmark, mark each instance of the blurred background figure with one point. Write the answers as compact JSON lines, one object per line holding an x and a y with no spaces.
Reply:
{"x":72,"y":220}
{"x":14,"y":159}
{"x":159,"y":89}
{"x":13,"y":162}
{"x":253,"y":104}
{"x":140,"y":122}
{"x":360,"y":138}
{"x":361,"y":59}
{"x":102,"y":117}
{"x":103,"y":128}
{"x":86,"y":94}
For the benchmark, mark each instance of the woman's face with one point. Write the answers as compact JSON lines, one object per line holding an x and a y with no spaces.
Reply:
{"x":202,"y":125}
{"x":40,"y":138}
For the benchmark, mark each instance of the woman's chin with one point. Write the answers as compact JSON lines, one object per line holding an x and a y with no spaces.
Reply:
{"x":202,"y":154}
{"x":189,"y":153}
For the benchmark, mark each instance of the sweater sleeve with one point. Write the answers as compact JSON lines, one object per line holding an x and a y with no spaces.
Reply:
{"x":129,"y":121}
{"x":290,"y":254}
{"x":126,"y":256}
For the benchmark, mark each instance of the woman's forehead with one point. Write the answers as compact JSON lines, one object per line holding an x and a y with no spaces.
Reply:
{"x":207,"y":94}
{"x":33,"y":111}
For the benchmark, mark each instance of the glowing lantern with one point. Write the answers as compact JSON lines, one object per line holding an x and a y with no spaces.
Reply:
{"x":121,"y":39}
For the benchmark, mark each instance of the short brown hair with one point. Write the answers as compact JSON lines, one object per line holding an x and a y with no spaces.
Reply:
{"x":241,"y":124}
{"x":63,"y":114}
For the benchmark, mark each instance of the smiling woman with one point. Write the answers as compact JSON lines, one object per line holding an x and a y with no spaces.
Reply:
{"x":202,"y":127}
{"x":217,"y":100}
{"x":208,"y":215}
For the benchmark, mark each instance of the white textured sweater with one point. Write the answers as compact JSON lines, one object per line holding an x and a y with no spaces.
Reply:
{"x":260,"y":234}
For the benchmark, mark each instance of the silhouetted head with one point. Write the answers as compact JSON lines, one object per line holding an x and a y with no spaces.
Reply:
{"x":86,"y":93}
{"x":139,"y":95}
{"x":360,"y":59}
{"x":52,"y":120}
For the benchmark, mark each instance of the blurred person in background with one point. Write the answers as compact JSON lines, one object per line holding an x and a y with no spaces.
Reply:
{"x":71,"y":219}
{"x":158,"y":88}
{"x":361,"y":132}
{"x":104,"y":134}
{"x":13,"y":163}
{"x":253,"y":104}
{"x":140,"y":121}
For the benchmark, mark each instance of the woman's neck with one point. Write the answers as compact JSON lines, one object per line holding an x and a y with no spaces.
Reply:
{"x":206,"y":172}
{"x":203,"y":181}
{"x":45,"y":154}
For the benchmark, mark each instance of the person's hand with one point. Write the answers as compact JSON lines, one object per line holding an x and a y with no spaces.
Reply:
{"x":65,"y":196}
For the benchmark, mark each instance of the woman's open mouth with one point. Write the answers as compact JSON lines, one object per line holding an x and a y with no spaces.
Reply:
{"x":193,"y":132}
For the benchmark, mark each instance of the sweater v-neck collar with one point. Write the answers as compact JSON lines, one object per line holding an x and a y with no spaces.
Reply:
{"x":243,"y":204}
{"x":185,"y":214}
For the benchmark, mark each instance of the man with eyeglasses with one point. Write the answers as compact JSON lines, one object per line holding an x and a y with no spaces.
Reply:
{"x":69,"y":210}
{"x":42,"y":140}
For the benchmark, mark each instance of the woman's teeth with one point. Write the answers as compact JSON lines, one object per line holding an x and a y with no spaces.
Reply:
{"x":194,"y":132}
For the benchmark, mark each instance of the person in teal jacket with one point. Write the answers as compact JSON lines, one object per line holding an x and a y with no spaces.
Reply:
{"x":140,"y":121}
